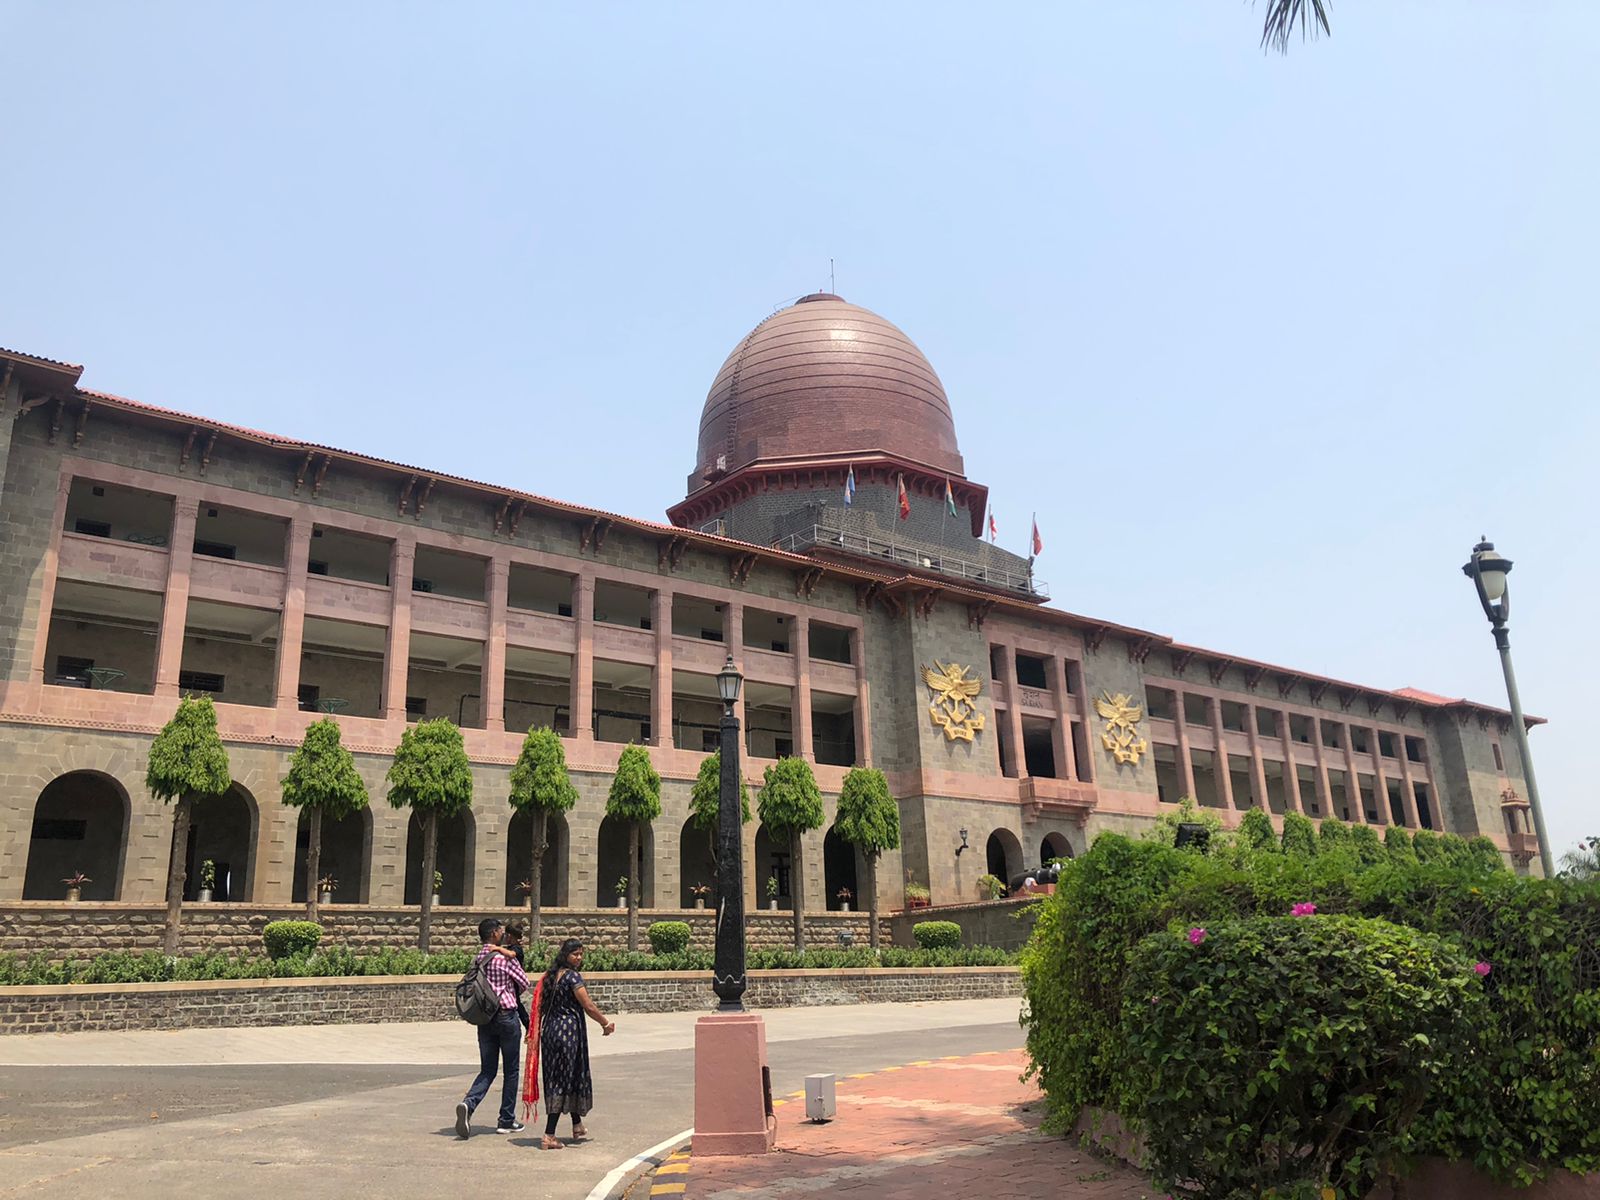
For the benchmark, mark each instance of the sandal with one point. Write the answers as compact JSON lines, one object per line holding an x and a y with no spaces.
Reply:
{"x":551,"y":1143}
{"x":580,"y":1132}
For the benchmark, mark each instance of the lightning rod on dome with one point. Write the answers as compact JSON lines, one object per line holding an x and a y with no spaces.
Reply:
{"x":832,"y":291}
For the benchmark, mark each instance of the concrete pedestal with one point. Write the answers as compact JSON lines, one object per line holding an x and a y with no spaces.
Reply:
{"x":730,"y":1089}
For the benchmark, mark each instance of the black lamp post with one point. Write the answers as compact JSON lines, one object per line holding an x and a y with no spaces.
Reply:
{"x":1488,"y":571}
{"x":728,"y":970}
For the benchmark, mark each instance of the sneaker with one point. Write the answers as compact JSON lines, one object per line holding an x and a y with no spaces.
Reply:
{"x":463,"y":1120}
{"x":514,"y":1127}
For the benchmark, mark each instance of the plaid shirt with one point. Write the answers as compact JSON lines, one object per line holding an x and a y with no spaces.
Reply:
{"x":505,"y":976}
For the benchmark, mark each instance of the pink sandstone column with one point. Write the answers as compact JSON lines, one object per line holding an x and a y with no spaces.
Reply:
{"x":1291,"y":769}
{"x":583,"y":658}
{"x":1380,"y":784}
{"x":863,"y":700}
{"x":47,"y":580}
{"x":175,"y":606}
{"x":1180,"y":722}
{"x":292,"y":625}
{"x":497,"y":582}
{"x":1066,"y":767}
{"x":1324,"y":790}
{"x":1224,"y":771}
{"x":1408,"y":790}
{"x":661,"y":685}
{"x":733,"y":636}
{"x":397,"y":646}
{"x":1016,"y":760}
{"x":804,"y":745}
{"x":1352,"y":782}
{"x":1258,"y":764}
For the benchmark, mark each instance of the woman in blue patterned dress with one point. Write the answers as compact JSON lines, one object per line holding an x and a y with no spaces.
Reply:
{"x":564,"y":1042}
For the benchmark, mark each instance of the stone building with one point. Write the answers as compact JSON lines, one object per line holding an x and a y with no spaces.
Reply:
{"x":147,"y":553}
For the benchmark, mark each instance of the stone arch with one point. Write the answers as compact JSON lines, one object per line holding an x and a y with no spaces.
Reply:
{"x":553,"y":885}
{"x":1054,"y":845}
{"x":80,"y":823}
{"x":611,"y":858}
{"x":453,"y":860}
{"x":1003,"y":856}
{"x":346,"y":855}
{"x":772,"y":857}
{"x":223,"y":830}
{"x":696,"y":863}
{"x":840,"y":869}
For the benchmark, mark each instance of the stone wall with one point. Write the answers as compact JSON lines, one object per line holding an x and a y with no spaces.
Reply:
{"x":1004,"y":923}
{"x":429,"y":998}
{"x":84,"y":930}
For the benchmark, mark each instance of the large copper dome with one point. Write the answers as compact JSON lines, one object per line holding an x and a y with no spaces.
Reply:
{"x":823,"y":377}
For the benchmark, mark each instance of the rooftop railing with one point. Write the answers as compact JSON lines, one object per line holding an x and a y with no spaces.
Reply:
{"x":918,"y":557}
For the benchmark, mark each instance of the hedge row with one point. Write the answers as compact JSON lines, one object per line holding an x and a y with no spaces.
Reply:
{"x":1425,"y":999}
{"x":152,"y":967}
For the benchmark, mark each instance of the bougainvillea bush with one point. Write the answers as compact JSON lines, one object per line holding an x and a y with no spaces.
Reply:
{"x":1526,"y":1099}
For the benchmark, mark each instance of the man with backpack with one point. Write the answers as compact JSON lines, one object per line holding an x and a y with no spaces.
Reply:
{"x":488,"y":997}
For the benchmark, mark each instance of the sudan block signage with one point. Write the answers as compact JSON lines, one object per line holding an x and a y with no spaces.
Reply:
{"x":952,"y":706}
{"x":1121,"y":732}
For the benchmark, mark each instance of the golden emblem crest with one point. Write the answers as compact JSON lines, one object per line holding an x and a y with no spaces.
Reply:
{"x":1121,"y":734}
{"x":953,"y":692}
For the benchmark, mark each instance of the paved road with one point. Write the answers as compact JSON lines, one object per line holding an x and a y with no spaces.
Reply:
{"x":320,"y":1113}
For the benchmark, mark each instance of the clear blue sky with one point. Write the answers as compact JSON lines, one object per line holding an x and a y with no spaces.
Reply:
{"x":1267,"y":342}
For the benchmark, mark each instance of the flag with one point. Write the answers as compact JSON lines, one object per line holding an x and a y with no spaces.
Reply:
{"x":994,"y":530}
{"x":949,"y":499}
{"x":1038,"y":542}
{"x":905,"y":500}
{"x":850,"y":488}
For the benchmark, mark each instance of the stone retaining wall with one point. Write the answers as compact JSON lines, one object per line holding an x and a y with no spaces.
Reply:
{"x":368,"y":1000}
{"x":84,"y":930}
{"x":1004,"y":923}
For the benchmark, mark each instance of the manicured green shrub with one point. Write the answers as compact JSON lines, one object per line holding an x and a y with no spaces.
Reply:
{"x":1397,"y":841}
{"x":1187,"y":812}
{"x":1299,"y":835}
{"x":285,"y":939}
{"x":1367,"y":845}
{"x":1256,"y":831}
{"x":937,"y":935}
{"x":668,"y":937}
{"x":1278,"y":1056}
{"x":1427,"y":845}
{"x":1485,"y":853}
{"x":1333,"y":836}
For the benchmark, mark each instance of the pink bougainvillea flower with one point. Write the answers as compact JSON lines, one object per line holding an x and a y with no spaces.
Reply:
{"x":1196,"y":936}
{"x":1304,"y":910}
{"x":1482,"y":969}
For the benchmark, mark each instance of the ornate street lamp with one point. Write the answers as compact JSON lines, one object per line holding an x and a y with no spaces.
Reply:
{"x":1488,"y":570}
{"x":728,"y":970}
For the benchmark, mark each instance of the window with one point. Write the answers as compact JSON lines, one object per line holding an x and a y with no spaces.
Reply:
{"x":416,"y":706}
{"x":92,"y":528}
{"x":710,"y":740}
{"x":200,"y":681}
{"x":782,"y":748}
{"x":73,"y":672}
{"x":1385,"y":744}
{"x":563,"y":610}
{"x":310,"y":693}
{"x":421,"y":585}
{"x":1031,"y":672}
{"x":215,"y":549}
{"x":1499,"y":762}
{"x":314,"y":567}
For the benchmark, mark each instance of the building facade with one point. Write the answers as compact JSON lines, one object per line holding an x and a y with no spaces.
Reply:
{"x":146,"y":554}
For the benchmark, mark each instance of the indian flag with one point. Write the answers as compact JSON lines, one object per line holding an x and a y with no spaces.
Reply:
{"x":850,"y":488}
{"x":949,"y":499}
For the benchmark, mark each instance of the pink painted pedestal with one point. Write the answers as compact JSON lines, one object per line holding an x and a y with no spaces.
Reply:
{"x":730,"y":1093}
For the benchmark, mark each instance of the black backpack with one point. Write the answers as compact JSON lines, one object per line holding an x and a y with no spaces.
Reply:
{"x":476,"y":1001}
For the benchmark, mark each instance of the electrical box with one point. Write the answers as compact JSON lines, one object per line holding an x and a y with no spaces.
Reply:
{"x":820,"y":1102}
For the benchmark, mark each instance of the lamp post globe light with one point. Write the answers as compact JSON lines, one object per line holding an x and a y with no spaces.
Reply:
{"x":1488,"y":570}
{"x":728,"y":968}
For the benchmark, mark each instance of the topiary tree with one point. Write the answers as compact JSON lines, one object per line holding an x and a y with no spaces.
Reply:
{"x":188,"y":764}
{"x":1427,"y":845}
{"x":869,"y":819}
{"x":705,"y":804}
{"x":323,"y":782}
{"x":1368,"y":846}
{"x":1485,"y":854}
{"x":1165,"y":829}
{"x":540,"y":786}
{"x":1299,"y":835}
{"x":1333,"y":836}
{"x":1256,"y":831}
{"x":635,"y":798}
{"x":791,"y":806}
{"x":1397,"y":842}
{"x":431,"y":776}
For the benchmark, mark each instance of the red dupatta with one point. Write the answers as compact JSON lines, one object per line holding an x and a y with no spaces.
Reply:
{"x":530,"y":1066}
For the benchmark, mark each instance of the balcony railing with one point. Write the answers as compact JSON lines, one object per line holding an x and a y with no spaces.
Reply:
{"x":912,"y":556}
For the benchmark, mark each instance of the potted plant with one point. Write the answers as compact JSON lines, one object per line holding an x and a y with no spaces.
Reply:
{"x":326,"y":887}
{"x":990,"y":887}
{"x":438,"y":886}
{"x":208,"y":881}
{"x":917,"y":896}
{"x":525,"y":888}
{"x":772,"y":892}
{"x":75,"y":883}
{"x":622,"y":892}
{"x":844,"y":896}
{"x":700,"y":892}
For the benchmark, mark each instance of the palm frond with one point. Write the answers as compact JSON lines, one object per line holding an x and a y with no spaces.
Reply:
{"x":1282,"y":17}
